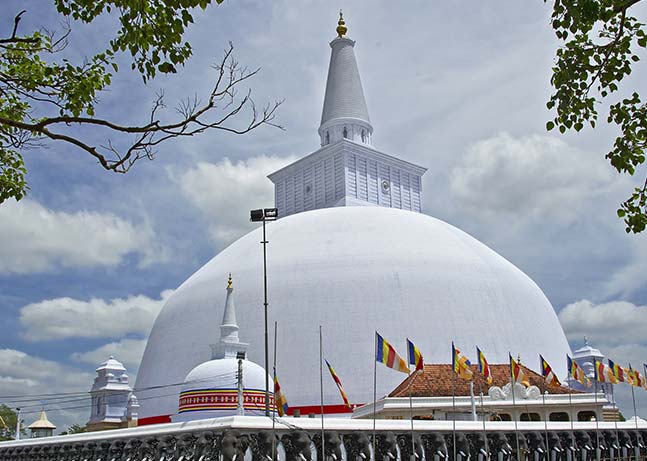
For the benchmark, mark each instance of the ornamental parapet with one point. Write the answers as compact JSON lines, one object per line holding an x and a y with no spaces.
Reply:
{"x":300,"y":439}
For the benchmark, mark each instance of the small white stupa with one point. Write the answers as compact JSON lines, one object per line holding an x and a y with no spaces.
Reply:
{"x":42,"y":427}
{"x":228,"y":384}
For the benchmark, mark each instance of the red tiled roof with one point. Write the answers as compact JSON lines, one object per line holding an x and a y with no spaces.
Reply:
{"x":436,"y":381}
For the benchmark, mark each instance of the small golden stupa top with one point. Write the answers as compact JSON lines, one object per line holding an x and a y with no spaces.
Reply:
{"x":341,"y":25}
{"x":230,"y":283}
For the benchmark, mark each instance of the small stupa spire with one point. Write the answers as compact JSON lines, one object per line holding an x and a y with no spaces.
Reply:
{"x":229,"y":344}
{"x":341,"y":25}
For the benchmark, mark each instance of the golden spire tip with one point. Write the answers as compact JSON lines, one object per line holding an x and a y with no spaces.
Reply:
{"x":341,"y":25}
{"x":230,"y":282}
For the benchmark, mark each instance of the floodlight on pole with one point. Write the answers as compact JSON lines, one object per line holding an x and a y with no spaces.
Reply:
{"x":263,"y":215}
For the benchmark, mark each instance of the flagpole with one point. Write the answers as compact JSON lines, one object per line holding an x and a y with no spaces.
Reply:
{"x":323,"y":451}
{"x":570,"y":405}
{"x":413,"y":443}
{"x":472,"y":401}
{"x":487,"y":448}
{"x":514,"y":406}
{"x":453,"y":406}
{"x":374,"y":393}
{"x":597,"y":423}
{"x":615,"y":421}
{"x":415,"y":373}
{"x":274,"y":409}
{"x":543,"y":402}
{"x":615,"y":404}
{"x":633,"y":397}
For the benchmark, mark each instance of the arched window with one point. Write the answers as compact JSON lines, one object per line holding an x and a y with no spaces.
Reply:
{"x":559,"y":416}
{"x":345,"y":133}
{"x":530,"y":417}
{"x":363,"y":136}
{"x":586,"y":415}
{"x":327,"y":137}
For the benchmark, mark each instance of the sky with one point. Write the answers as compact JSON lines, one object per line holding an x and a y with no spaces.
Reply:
{"x":88,"y":258}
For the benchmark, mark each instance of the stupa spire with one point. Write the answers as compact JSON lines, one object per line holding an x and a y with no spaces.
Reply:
{"x":344,"y":115}
{"x":229,"y":344}
{"x":341,"y":25}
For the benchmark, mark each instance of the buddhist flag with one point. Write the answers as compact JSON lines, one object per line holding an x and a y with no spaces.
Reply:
{"x":549,"y":375}
{"x":279,"y":399}
{"x":518,"y":376}
{"x":576,"y":373}
{"x":634,"y":377}
{"x":629,"y":376}
{"x":415,"y":357}
{"x":617,"y":371}
{"x":460,"y":364}
{"x":386,"y":354}
{"x":339,"y":386}
{"x":484,"y":367}
{"x":639,"y":379}
{"x":603,"y":373}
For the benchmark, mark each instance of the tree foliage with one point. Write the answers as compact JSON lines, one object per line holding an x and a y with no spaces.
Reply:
{"x":601,"y":42}
{"x":74,"y":429}
{"x":44,"y":97}
{"x":8,"y":419}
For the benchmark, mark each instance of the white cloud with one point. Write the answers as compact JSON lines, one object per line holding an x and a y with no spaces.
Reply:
{"x":38,"y":239}
{"x":532,"y":176}
{"x":127,"y":351}
{"x":226,"y":191}
{"x":613,"y":323}
{"x":63,"y":318}
{"x":24,"y":375}
{"x":628,"y":278}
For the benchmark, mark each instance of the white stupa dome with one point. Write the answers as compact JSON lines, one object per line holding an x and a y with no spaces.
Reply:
{"x":351,"y":253}
{"x":354,"y":270}
{"x":210,"y":390}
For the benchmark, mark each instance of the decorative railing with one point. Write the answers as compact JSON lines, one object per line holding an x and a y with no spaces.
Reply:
{"x":297,"y":439}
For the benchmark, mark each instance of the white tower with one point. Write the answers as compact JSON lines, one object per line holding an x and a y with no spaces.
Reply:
{"x":346,"y":170}
{"x":111,"y":397}
{"x":585,"y":357}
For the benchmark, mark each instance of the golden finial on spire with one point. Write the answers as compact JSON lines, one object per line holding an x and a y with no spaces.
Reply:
{"x":230,"y":283}
{"x":341,"y":25}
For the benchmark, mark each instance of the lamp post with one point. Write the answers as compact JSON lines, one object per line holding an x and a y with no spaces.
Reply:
{"x":18,"y":423}
{"x":263,"y":215}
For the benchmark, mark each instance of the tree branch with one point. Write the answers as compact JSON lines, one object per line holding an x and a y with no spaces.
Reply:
{"x":195,"y":119}
{"x":13,"y":38}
